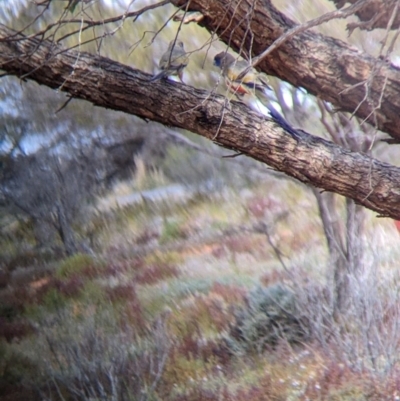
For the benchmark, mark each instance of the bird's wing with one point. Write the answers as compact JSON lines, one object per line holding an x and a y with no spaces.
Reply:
{"x":253,"y":80}
{"x":174,"y":61}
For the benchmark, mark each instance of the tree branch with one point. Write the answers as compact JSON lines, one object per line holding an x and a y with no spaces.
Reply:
{"x":375,"y":14}
{"x":109,"y":84}
{"x":326,"y":67}
{"x":304,"y":27}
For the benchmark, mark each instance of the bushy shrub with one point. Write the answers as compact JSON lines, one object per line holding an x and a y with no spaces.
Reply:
{"x":16,"y":329}
{"x":270,"y":314}
{"x":81,"y":264}
{"x":90,"y":360}
{"x":365,"y":335}
{"x":16,"y":369}
{"x":11,"y":305}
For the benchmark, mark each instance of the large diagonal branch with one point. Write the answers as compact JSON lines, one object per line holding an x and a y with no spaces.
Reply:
{"x":376,"y":14}
{"x":109,"y":84}
{"x":351,"y":80}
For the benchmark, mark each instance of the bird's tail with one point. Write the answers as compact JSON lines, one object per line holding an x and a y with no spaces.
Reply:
{"x":277,"y":117}
{"x":267,"y":109}
{"x":160,"y":75}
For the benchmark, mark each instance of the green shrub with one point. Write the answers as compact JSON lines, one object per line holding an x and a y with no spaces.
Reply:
{"x":9,"y":311}
{"x":75,"y":264}
{"x":53,"y":300}
{"x":15,"y":368}
{"x":171,"y":231}
{"x":271,"y":314}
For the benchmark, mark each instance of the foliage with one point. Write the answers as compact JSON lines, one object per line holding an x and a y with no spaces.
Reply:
{"x":206,"y":320}
{"x":271,"y":314}
{"x":365,"y":336}
{"x":87,"y":358}
{"x":172,"y":231}
{"x":16,"y":369}
{"x":79,"y":264}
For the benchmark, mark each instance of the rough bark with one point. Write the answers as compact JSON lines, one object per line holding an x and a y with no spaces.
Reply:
{"x":326,"y":67}
{"x":106,"y":83}
{"x":375,"y":14}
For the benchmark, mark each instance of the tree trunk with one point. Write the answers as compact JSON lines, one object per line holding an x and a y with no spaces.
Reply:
{"x":345,"y":245}
{"x":65,"y":230}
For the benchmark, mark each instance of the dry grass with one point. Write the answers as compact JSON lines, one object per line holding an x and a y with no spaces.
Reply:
{"x":197,"y":277}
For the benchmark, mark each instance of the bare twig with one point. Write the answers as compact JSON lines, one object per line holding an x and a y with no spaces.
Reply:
{"x":337,"y":14}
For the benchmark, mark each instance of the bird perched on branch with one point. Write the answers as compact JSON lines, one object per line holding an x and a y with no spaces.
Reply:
{"x":250,"y":87}
{"x":232,"y":68}
{"x":173,"y":61}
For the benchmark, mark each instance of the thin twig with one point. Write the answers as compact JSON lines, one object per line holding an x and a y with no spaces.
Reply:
{"x":337,"y":14}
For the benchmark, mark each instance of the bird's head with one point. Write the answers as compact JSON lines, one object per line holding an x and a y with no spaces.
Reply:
{"x":178,"y":44}
{"x":223,"y":59}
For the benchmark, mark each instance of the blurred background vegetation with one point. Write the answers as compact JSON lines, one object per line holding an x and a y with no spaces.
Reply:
{"x":136,"y":263}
